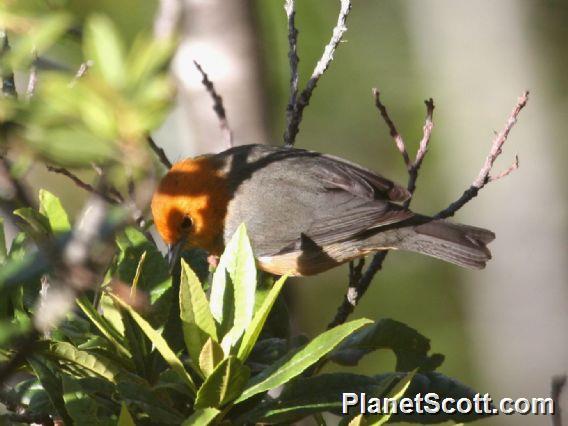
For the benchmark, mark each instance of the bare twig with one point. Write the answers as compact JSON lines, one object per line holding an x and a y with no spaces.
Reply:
{"x":422,"y":148}
{"x":296,"y":110}
{"x":160,"y":153}
{"x":83,"y":69}
{"x":358,"y":288}
{"x":32,"y":81}
{"x":115,"y":198}
{"x":356,"y":292}
{"x":290,"y":8}
{"x":484,"y":174}
{"x":392,"y":129}
{"x":558,"y":385}
{"x":217,"y":105}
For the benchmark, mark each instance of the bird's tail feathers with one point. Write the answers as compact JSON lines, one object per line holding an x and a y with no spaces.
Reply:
{"x":462,"y":245}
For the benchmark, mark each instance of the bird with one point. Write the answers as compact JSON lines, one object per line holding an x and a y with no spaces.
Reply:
{"x":305,"y":212}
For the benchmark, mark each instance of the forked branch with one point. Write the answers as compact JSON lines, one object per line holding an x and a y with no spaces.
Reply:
{"x":356,"y":290}
{"x":296,"y":104}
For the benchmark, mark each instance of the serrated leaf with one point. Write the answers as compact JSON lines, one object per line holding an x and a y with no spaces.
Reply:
{"x":197,"y":322}
{"x":211,"y":355}
{"x":223,"y":385}
{"x":294,"y":364}
{"x":68,"y":353}
{"x":125,"y":418}
{"x":238,"y":262}
{"x":103,"y":45}
{"x":253,"y":330}
{"x":411,"y":348}
{"x":203,"y":417}
{"x":160,"y":344}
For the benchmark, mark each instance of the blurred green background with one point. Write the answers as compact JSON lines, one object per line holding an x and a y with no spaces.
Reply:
{"x":503,"y":330}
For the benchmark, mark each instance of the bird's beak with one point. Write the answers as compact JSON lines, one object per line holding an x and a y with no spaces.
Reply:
{"x":174,"y":253}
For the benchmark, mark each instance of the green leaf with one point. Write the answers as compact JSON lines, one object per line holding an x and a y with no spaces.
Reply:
{"x":80,"y":406}
{"x":211,"y":355}
{"x":253,"y":330}
{"x":104,"y":47}
{"x":111,"y":313}
{"x":50,"y":206}
{"x":294,"y":364}
{"x":125,"y":418}
{"x":38,"y":39}
{"x":238,"y":262}
{"x":160,"y":344}
{"x":51,"y":382}
{"x":397,"y":392}
{"x":444,"y":387}
{"x":224,"y":384}
{"x":102,"y":324}
{"x":37,"y":224}
{"x":203,"y":417}
{"x":147,"y":57}
{"x":358,"y":421}
{"x":411,"y":348}
{"x":155,"y":404}
{"x":197,"y":322}
{"x":307,"y":396}
{"x":153,"y":275}
{"x":71,"y":146}
{"x":68,"y":353}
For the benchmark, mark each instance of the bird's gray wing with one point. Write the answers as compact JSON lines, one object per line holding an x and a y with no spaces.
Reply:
{"x":295,"y":196}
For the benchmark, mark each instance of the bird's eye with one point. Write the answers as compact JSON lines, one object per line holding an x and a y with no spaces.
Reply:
{"x":186,"y":223}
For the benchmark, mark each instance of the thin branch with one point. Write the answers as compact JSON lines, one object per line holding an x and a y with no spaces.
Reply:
{"x":32,"y":81}
{"x":217,"y":105}
{"x":356,"y":292}
{"x":290,"y":8}
{"x":401,"y":146}
{"x":160,"y":153}
{"x":484,"y":174}
{"x":558,"y":385}
{"x":83,"y":69}
{"x":422,"y":148}
{"x":359,"y":287}
{"x":116,"y":197}
{"x":294,"y":117}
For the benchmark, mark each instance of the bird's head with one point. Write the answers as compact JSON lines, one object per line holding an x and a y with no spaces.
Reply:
{"x":190,"y":204}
